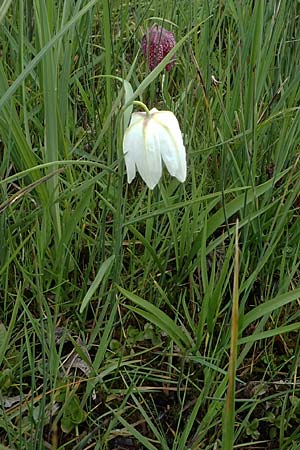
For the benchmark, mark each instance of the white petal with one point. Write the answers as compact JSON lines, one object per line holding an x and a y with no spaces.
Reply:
{"x":133,"y":139}
{"x":171,"y":144}
{"x":130,"y":166}
{"x":148,"y":161}
{"x":136,"y":117}
{"x":141,"y":150}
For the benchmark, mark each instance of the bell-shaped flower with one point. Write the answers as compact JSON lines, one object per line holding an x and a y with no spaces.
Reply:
{"x":156,"y":44}
{"x":153,"y":137}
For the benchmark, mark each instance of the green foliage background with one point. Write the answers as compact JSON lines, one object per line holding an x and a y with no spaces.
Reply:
{"x":115,"y":301}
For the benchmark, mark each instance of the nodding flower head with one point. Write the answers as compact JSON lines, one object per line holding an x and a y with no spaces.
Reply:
{"x":151,"y":138}
{"x":156,"y":44}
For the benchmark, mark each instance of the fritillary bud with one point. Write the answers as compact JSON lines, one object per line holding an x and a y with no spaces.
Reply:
{"x":156,"y":44}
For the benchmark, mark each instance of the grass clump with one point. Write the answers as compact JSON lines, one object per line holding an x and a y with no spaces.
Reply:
{"x":129,"y":318}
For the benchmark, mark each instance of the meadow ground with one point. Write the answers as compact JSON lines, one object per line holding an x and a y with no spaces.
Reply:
{"x":138,"y":319}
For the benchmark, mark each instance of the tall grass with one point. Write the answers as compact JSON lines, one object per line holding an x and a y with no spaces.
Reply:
{"x":119,"y":304}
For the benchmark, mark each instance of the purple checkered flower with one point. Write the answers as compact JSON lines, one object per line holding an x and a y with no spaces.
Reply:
{"x":156,"y":44}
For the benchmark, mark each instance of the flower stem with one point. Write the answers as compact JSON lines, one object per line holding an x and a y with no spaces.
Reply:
{"x":142,"y":105}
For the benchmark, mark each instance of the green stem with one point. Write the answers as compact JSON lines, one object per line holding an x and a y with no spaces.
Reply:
{"x":142,"y":105}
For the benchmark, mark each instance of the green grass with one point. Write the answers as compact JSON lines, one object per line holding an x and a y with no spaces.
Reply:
{"x":164,"y":319}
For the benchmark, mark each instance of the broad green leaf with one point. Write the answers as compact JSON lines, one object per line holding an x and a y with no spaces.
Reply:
{"x":269,"y":306}
{"x":158,"y":318}
{"x":103,"y":270}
